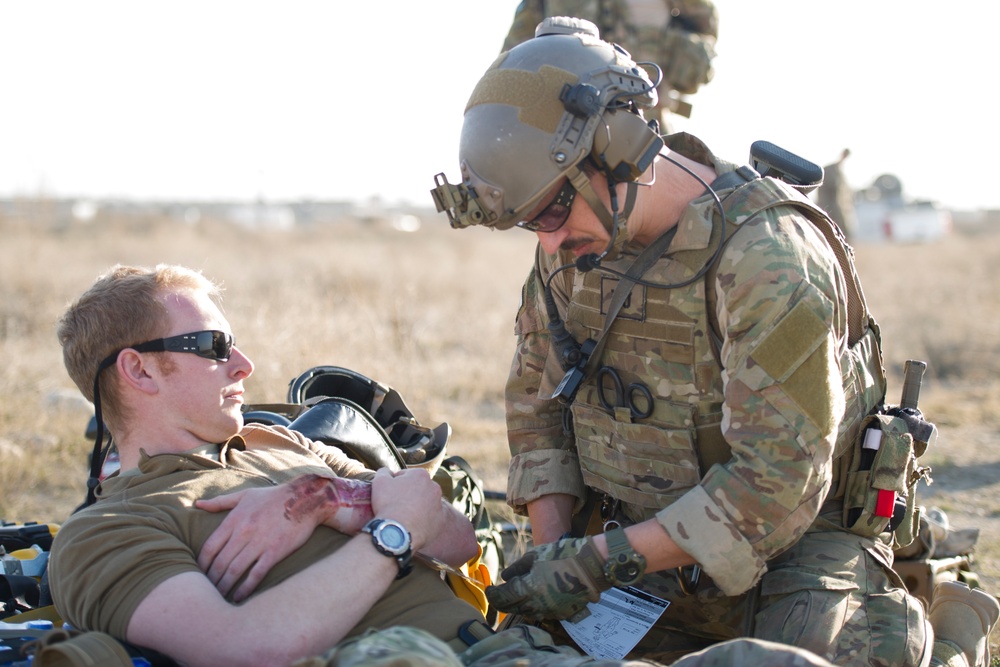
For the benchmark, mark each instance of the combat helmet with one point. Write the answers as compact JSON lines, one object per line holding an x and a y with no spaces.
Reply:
{"x":375,"y":415}
{"x":538,"y":113}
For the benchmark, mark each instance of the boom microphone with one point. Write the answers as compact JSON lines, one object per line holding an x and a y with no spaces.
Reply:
{"x":589,"y":262}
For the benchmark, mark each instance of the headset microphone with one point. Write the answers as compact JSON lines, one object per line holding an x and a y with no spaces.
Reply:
{"x":589,"y":262}
{"x":592,"y":261}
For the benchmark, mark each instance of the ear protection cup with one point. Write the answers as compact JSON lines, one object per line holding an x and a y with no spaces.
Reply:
{"x":626,"y":144}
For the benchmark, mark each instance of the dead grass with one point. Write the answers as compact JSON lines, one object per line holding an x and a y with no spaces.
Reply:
{"x":431,"y":314}
{"x":938,"y":302}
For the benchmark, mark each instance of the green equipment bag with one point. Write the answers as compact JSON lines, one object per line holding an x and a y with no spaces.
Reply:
{"x":465,"y":490}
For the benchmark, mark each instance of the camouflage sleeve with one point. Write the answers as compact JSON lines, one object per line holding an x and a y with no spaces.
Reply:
{"x":686,"y":49}
{"x":543,"y":458}
{"x":698,"y":16}
{"x":526,"y":17}
{"x":781,"y":310}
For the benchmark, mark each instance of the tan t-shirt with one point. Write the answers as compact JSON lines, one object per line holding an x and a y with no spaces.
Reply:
{"x":144,"y":529}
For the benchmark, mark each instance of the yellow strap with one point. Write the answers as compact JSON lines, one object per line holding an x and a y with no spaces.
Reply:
{"x":472,"y":587}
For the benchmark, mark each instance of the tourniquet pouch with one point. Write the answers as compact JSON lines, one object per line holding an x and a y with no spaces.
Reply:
{"x":881,"y":480}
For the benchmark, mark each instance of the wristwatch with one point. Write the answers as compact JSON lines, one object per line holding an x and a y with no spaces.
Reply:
{"x":624,"y":566}
{"x":391,"y":539}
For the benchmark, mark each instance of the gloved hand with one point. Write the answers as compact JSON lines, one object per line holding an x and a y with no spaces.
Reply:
{"x":553,"y":581}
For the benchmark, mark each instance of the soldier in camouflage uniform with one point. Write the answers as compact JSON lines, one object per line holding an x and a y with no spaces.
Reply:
{"x":678,"y":35}
{"x":836,"y":197}
{"x":724,"y":460}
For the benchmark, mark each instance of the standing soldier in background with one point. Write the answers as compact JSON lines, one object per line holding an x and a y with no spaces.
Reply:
{"x":836,"y":197}
{"x":677,"y":35}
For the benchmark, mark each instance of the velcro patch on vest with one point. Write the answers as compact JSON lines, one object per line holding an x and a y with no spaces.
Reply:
{"x":529,"y":312}
{"x":794,"y":355}
{"x":634,"y":307}
{"x":791,"y":342}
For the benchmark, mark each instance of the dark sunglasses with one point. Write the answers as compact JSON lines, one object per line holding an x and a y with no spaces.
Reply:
{"x":555,"y":214}
{"x":214,"y":345}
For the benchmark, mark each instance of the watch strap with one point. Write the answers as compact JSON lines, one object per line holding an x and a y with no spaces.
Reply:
{"x":405,"y":563}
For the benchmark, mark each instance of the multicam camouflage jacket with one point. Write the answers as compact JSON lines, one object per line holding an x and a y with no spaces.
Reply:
{"x":778,"y":400}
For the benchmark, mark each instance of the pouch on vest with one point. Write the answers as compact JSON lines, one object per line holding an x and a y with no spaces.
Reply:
{"x":881,"y":480}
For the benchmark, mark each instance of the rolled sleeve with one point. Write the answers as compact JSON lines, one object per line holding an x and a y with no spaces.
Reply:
{"x":703,"y":530}
{"x":543,"y":472}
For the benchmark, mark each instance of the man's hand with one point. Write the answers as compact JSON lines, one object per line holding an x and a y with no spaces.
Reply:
{"x":266,"y":525}
{"x":412,"y":498}
{"x":553,"y":581}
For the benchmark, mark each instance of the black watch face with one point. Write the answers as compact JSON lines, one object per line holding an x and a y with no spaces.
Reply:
{"x":626,"y":574}
{"x":393,"y":537}
{"x":623,"y":571}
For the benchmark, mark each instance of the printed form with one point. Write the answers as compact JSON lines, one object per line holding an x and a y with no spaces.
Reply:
{"x":616,"y":623}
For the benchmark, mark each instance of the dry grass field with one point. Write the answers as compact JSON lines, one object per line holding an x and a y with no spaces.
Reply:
{"x":431,"y":314}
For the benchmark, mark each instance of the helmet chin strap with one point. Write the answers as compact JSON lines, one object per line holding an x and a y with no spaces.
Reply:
{"x":619,"y":236}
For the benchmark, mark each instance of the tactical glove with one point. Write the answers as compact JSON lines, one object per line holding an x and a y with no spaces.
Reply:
{"x":553,"y":581}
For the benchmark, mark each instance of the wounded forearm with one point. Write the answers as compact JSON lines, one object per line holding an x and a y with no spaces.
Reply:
{"x":344,"y":504}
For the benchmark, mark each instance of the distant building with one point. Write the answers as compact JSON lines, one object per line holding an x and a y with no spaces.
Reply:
{"x":884,"y":215}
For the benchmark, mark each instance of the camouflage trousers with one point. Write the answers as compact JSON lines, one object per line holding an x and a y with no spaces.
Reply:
{"x":833,"y":593}
{"x":523,"y":646}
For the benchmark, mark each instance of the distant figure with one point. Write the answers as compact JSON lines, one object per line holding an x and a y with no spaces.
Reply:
{"x":836,"y":197}
{"x":678,"y":35}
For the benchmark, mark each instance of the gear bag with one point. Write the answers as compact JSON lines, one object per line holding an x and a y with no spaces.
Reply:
{"x":416,"y":445}
{"x":24,"y":555}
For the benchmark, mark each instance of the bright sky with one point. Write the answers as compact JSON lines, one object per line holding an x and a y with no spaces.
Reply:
{"x":349,"y":100}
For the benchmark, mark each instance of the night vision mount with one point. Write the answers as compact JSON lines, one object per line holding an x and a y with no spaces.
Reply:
{"x":459,"y":201}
